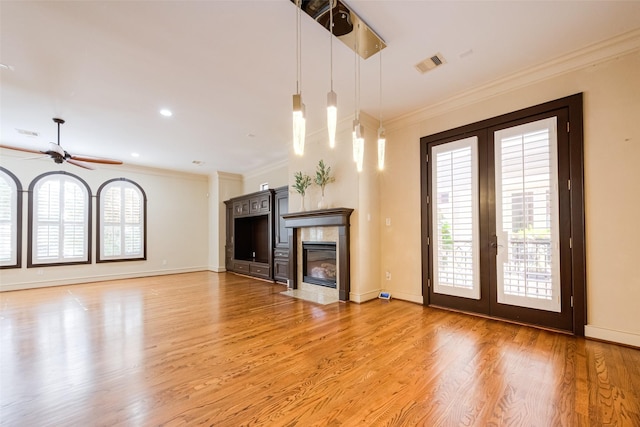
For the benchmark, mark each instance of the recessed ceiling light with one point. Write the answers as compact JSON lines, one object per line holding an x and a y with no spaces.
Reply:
{"x":166,"y":112}
{"x":135,"y":155}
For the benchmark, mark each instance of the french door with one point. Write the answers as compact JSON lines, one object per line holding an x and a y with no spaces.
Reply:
{"x":497,"y":216}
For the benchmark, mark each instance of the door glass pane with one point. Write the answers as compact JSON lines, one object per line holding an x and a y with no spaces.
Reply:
{"x":528,"y":258}
{"x":455,"y":218}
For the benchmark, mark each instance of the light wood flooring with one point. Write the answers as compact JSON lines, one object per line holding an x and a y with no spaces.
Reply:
{"x":224,"y":350}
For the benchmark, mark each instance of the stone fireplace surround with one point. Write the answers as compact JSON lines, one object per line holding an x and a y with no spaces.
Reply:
{"x":338,"y":218}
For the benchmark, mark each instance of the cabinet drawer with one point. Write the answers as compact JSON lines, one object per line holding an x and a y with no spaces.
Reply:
{"x":259,"y":204}
{"x":281,"y":253}
{"x":241,"y":207}
{"x":241,"y":267}
{"x":261,"y":270}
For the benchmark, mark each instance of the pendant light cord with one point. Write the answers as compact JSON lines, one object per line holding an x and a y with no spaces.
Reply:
{"x":357,"y":75}
{"x":298,"y":47}
{"x":331,"y":42}
{"x":380,"y":111}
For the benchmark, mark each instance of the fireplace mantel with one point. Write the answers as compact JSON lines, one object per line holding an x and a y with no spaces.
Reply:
{"x":337,"y":217}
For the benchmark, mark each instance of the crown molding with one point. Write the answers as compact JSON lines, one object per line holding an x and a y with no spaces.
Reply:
{"x":228,"y":176}
{"x":266,"y":169}
{"x":591,"y":55}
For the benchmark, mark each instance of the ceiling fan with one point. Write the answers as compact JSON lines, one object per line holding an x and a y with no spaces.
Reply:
{"x":59,"y":155}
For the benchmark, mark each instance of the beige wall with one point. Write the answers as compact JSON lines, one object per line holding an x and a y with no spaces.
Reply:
{"x":275,"y":175}
{"x":612,"y":187}
{"x":351,"y":189}
{"x":177,"y":224}
{"x":222,"y":186}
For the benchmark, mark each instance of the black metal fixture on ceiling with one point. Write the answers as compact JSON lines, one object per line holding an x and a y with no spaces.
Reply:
{"x":347,"y":25}
{"x":59,"y":155}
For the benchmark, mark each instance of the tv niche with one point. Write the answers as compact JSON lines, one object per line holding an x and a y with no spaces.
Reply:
{"x":251,"y":239}
{"x":319,"y":266}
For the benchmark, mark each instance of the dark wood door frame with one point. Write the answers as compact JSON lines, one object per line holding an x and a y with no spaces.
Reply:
{"x":573,"y":106}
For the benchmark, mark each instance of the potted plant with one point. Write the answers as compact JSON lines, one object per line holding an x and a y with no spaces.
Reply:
{"x":323,"y":177}
{"x":303,"y":181}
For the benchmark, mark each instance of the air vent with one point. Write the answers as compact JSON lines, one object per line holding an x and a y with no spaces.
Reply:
{"x":430,"y":63}
{"x":27,"y":132}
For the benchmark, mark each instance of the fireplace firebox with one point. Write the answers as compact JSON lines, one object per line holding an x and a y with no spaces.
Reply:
{"x":319,"y":265}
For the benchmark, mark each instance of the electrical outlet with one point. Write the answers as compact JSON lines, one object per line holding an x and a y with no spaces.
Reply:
{"x":164,"y":262}
{"x":387,"y":221}
{"x":387,"y":275}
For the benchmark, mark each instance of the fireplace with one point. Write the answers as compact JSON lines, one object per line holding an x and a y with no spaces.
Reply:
{"x":321,"y":219}
{"x":319,"y":263}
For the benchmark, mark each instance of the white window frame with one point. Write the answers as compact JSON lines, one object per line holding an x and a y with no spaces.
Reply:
{"x":554,"y":304}
{"x":11,"y":223}
{"x":34,"y":222}
{"x":441,"y":288}
{"x":141,"y":253}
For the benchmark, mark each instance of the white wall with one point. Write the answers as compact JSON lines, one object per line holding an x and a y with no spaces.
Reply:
{"x":177,"y":224}
{"x":612,"y":183}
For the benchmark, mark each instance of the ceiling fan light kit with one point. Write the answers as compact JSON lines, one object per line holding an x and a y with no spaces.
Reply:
{"x":59,"y":155}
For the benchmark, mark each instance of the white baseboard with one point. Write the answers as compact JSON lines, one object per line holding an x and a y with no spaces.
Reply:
{"x":367,"y":296}
{"x":101,"y":278}
{"x":619,"y":337}
{"x":418,"y":299}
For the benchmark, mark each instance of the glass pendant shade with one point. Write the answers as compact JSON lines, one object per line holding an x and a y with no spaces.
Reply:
{"x":299,"y":125}
{"x":358,"y":144}
{"x":332,"y":117}
{"x":355,"y":134}
{"x":381,"y":147}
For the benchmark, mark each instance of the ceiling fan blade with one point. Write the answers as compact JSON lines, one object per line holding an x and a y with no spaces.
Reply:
{"x":26,"y":150}
{"x":80,"y":164}
{"x":97,"y":160}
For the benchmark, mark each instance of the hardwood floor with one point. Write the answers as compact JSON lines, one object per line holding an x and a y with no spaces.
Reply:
{"x":224,"y":350}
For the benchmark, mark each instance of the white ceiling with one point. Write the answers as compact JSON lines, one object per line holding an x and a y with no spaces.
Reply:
{"x":227,"y":69}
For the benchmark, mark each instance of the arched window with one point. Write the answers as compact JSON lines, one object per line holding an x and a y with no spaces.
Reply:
{"x":59,"y":220}
{"x":10,"y":220}
{"x":122,"y":207}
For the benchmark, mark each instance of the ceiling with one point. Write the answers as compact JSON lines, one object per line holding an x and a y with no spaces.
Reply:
{"x":227,"y":69}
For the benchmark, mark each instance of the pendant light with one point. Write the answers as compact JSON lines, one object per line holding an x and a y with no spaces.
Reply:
{"x":381,"y":133}
{"x":332,"y":98}
{"x":358,"y":130}
{"x":299,"y":121}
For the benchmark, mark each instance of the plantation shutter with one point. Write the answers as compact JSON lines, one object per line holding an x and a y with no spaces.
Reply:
{"x":455,"y":219}
{"x":122,"y":221}
{"x":61,"y":218}
{"x":8,"y":220}
{"x":527,"y":221}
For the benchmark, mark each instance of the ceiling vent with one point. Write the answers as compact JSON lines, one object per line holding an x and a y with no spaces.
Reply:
{"x":27,"y":132}
{"x":430,"y":63}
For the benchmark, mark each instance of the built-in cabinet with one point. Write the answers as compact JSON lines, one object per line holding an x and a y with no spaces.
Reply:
{"x":254,"y":232}
{"x":281,"y":247}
